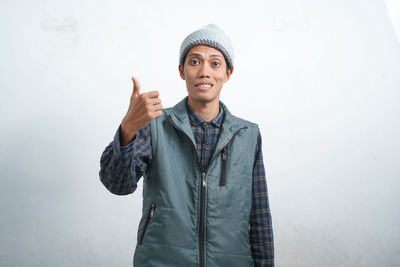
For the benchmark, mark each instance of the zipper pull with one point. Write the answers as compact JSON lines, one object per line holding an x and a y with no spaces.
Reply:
{"x":203,"y":175}
{"x":152,"y":209}
{"x":224,"y":153}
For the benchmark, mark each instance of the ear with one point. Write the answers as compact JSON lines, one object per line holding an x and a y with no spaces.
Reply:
{"x":228,"y":75}
{"x":181,"y":73}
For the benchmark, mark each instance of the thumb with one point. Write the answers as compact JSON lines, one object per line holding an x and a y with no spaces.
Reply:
{"x":136,"y":87}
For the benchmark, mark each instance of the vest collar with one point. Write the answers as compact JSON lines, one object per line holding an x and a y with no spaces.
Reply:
{"x":195,"y":118}
{"x":230,"y":124}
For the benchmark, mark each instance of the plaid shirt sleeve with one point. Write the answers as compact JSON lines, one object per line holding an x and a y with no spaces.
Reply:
{"x":261,"y":235}
{"x":121,"y":167}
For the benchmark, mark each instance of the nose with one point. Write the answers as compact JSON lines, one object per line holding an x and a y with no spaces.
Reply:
{"x":204,"y":71}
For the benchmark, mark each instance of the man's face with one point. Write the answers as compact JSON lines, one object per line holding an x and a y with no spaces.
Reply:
{"x":205,"y":71}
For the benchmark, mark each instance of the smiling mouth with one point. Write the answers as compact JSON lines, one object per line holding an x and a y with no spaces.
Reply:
{"x":204,"y":85}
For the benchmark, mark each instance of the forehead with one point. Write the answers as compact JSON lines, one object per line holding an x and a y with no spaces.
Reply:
{"x":205,"y":51}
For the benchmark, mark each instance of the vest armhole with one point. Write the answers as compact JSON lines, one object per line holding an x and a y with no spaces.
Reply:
{"x":256,"y":148}
{"x":154,"y":135}
{"x":154,"y":139}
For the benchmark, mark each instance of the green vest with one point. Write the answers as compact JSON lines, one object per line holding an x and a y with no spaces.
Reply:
{"x":194,"y":218}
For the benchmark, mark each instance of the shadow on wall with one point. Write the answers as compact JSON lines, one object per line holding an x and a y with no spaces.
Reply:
{"x":393,"y":9}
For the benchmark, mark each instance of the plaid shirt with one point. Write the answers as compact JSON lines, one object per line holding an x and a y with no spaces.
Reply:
{"x":122,"y":167}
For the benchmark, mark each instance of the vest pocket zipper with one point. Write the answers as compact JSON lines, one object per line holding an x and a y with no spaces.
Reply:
{"x":146,"y":224}
{"x":222,"y":178}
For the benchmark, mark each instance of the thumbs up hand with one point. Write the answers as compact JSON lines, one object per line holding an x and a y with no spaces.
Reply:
{"x":143,"y":108}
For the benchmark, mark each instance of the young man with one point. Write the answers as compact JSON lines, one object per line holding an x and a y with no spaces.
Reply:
{"x":205,"y":199}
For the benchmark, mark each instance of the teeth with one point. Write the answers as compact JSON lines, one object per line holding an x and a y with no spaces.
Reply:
{"x":204,"y":85}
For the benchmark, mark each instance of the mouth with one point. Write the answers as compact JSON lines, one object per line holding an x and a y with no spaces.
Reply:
{"x":203,"y":86}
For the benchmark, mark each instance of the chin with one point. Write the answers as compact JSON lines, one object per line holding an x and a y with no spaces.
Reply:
{"x":202,"y":99}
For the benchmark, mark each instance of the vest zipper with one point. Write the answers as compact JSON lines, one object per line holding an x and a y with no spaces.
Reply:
{"x":202,"y":210}
{"x":149,"y":216}
{"x":202,"y":191}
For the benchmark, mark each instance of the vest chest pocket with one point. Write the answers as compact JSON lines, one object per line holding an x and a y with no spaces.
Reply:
{"x":146,"y":224}
{"x":224,"y":155}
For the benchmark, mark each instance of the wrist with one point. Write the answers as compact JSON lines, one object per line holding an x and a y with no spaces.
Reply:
{"x":127,"y":135}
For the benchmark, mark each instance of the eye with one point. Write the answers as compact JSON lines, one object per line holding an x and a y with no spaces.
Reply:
{"x":216,"y":63}
{"x":194,"y":61}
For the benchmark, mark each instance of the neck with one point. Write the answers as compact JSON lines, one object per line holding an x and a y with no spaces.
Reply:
{"x":206,"y":110}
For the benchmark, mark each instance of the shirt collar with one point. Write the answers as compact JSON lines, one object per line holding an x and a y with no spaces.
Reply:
{"x":195,"y":119}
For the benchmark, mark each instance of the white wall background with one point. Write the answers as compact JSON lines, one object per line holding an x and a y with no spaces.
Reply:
{"x":321,"y":78}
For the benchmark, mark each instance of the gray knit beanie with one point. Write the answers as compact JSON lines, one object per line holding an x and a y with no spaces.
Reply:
{"x":210,"y":35}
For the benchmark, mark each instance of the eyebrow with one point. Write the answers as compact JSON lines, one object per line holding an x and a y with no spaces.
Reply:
{"x":198,"y":55}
